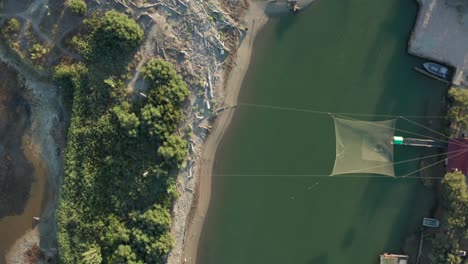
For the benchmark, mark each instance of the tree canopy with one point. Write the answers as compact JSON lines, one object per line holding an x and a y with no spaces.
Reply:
{"x":458,"y":111}
{"x":455,"y":201}
{"x":454,"y":222}
{"x":77,"y":6}
{"x":113,"y":35}
{"x":117,"y":191}
{"x":172,"y":89}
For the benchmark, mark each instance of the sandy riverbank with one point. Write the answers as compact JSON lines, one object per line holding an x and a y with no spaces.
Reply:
{"x":255,"y":19}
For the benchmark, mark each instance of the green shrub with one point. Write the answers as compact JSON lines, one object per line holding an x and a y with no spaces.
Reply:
{"x":174,"y":150}
{"x":11,"y":28}
{"x":112,"y":36}
{"x":443,"y":248}
{"x":37,"y":52}
{"x":458,"y":111}
{"x":77,"y":7}
{"x":454,"y":224}
{"x":69,"y":77}
{"x":13,"y":25}
{"x":171,"y":86}
{"x":127,"y":119}
{"x":455,"y":201}
{"x":81,"y":45}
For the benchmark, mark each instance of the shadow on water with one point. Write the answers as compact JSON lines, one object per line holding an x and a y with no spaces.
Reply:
{"x":320,"y":259}
{"x":283,"y":24}
{"x":348,"y":238}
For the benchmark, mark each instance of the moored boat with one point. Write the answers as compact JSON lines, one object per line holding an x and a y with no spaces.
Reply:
{"x":436,"y":69}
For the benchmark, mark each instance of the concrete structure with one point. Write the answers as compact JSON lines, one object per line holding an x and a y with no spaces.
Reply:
{"x":441,"y":34}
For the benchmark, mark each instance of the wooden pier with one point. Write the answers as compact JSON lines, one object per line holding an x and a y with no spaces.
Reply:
{"x":429,"y":143}
{"x":418,"y":142}
{"x":431,"y":75}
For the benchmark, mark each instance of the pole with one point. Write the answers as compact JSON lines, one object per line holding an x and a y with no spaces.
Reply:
{"x":420,"y":245}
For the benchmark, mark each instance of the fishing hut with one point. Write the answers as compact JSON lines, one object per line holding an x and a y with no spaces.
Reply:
{"x":386,"y":258}
{"x":457,"y":158}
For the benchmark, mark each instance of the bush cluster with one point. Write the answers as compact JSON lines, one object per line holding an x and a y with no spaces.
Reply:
{"x":112,"y":37}
{"x":454,"y":223}
{"x":77,"y":7}
{"x":458,"y":111}
{"x":10,"y":29}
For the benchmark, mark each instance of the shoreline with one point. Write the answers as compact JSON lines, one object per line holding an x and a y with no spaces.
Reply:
{"x":202,"y":197}
{"x":256,"y":16}
{"x":42,"y":143}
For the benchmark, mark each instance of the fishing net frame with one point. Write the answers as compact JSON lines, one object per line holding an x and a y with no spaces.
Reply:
{"x":364,"y":147}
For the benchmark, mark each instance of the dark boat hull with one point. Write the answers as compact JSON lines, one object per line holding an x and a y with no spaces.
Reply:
{"x":436,"y":69}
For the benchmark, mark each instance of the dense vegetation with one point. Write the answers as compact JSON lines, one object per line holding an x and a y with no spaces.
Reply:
{"x":458,"y":111}
{"x":110,"y":40}
{"x":454,"y":223}
{"x":454,"y":194}
{"x":118,"y":186}
{"x":77,"y":6}
{"x":13,"y":26}
{"x":10,"y":29}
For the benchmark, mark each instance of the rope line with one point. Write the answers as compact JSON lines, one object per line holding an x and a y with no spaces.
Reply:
{"x":430,"y":165}
{"x":344,"y":114}
{"x":350,"y":174}
{"x":409,"y":160}
{"x":324,"y":176}
{"x":405,"y":131}
{"x":327,"y":113}
{"x":428,"y":128}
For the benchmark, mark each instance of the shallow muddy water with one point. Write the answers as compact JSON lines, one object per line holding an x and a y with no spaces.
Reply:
{"x":22,"y":177}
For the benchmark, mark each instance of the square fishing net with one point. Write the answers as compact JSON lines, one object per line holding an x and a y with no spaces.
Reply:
{"x":364,"y":147}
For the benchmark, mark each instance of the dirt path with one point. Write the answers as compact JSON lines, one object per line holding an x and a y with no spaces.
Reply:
{"x":145,"y":52}
{"x":32,"y":17}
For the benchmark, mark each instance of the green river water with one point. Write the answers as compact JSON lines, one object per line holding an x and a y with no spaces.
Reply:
{"x":337,"y":56}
